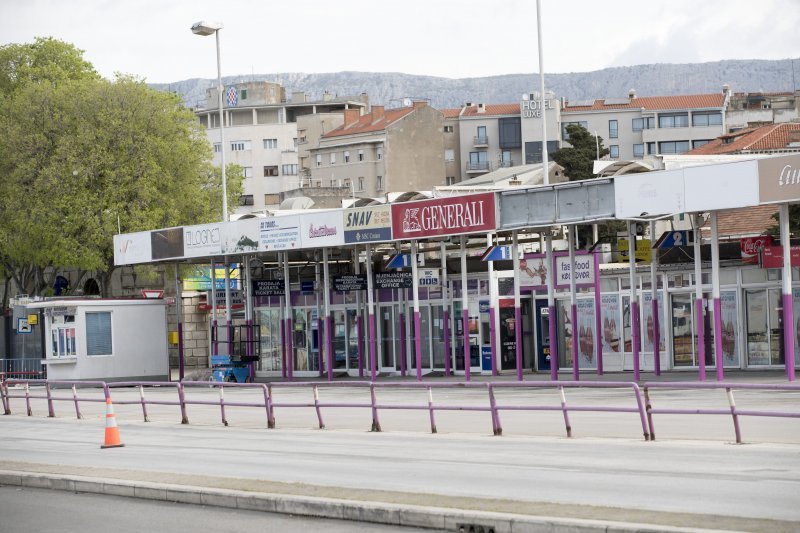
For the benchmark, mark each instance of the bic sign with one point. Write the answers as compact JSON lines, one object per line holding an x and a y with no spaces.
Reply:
{"x":429,"y":278}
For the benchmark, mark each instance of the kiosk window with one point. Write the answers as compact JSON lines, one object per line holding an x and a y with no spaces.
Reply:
{"x":98,"y":333}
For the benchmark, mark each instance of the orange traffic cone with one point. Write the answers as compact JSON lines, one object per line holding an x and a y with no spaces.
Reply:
{"x":112,"y":431}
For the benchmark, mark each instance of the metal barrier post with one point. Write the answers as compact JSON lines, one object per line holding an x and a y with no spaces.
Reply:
{"x":316,"y":406}
{"x":144,"y":404}
{"x":497,"y":429}
{"x":270,"y":408}
{"x":430,"y":405}
{"x":564,"y":409}
{"x":267,"y":405}
{"x":6,"y":399}
{"x":649,"y":407}
{"x":638,"y":394}
{"x":732,"y":405}
{"x":376,"y":424}
{"x":182,"y":400}
{"x":77,"y":405}
{"x":50,"y":410}
{"x":222,"y":404}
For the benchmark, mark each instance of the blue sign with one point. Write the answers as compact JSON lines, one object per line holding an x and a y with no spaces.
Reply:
{"x":486,"y":357}
{"x":306,"y":286}
{"x":483,"y":306}
{"x":497,"y":253}
{"x":670,"y":239}
{"x":368,"y":235}
{"x":399,"y":261}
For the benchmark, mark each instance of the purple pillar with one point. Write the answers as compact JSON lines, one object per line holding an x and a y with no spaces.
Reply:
{"x":215,"y":333}
{"x":718,"y":339}
{"x":181,"y":367}
{"x":635,"y":343}
{"x":597,"y":318}
{"x":402,"y":344}
{"x":553,"y":343}
{"x":492,"y":340}
{"x":446,"y":333}
{"x":283,"y":348}
{"x":467,"y":363}
{"x":373,"y":347}
{"x":329,"y":345}
{"x":249,"y":348}
{"x":360,"y":344}
{"x":573,"y":312}
{"x":788,"y":336}
{"x":656,"y":339}
{"x":701,"y":339}
{"x":320,"y":339}
{"x":518,"y":340}
{"x":418,"y":344}
{"x":290,"y":349}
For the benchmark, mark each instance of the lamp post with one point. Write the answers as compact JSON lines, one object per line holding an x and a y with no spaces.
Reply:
{"x":205,"y":29}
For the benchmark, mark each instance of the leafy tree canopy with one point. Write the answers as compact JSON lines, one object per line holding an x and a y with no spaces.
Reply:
{"x":578,"y":159}
{"x":44,"y":60}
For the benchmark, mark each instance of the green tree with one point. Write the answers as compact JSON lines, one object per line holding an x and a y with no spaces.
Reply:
{"x":578,"y":159}
{"x":46,"y":60}
{"x":85,"y":157}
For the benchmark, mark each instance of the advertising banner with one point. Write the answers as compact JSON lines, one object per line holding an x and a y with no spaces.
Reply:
{"x":728,"y":314}
{"x":471,"y":213}
{"x":322,"y":229}
{"x":279,"y":233}
{"x":586,"y":333}
{"x":132,"y":248}
{"x":772,"y":256}
{"x":367,"y":224}
{"x":779,"y":179}
{"x":752,"y":246}
{"x":204,"y":240}
{"x":166,"y":243}
{"x":584,"y":270}
{"x":609,"y":311}
{"x":648,"y":323}
{"x":533,"y":271}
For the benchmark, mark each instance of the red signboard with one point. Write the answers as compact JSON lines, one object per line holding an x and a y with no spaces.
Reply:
{"x":472,"y":213}
{"x":772,"y":256}
{"x":752,"y":246}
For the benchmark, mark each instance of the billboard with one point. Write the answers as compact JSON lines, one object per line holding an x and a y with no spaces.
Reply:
{"x":472,"y":213}
{"x":367,"y":224}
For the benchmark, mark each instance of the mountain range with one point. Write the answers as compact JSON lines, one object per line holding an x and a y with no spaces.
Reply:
{"x":391,"y":88}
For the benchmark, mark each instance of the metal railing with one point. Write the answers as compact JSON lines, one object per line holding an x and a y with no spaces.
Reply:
{"x":22,"y":369}
{"x":732,"y":410}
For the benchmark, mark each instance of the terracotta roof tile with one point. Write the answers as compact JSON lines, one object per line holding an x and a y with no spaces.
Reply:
{"x":491,"y":109}
{"x":748,"y":221}
{"x":769,"y":137}
{"x":367,"y":123}
{"x":656,"y":103}
{"x":451,"y":112}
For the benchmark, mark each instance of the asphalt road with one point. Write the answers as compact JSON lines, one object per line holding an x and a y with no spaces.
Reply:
{"x":692,"y":476}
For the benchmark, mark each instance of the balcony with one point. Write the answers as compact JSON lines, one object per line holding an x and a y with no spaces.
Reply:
{"x":475,"y":167}
{"x":506,"y":163}
{"x":481,"y":141}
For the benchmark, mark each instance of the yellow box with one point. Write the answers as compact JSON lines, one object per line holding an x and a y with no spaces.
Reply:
{"x":173,"y":337}
{"x":33,"y":320}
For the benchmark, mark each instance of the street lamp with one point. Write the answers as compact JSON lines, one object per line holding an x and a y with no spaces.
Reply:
{"x":205,"y":29}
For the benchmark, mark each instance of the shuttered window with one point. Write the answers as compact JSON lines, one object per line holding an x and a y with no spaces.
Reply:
{"x":98,"y":333}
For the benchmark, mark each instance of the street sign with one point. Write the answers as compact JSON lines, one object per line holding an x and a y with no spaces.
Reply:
{"x":497,"y":253}
{"x":268,"y":287}
{"x":307,"y":286}
{"x":399,"y":261}
{"x":152,"y":293}
{"x":350,"y":282}
{"x":393,"y":280}
{"x":671,"y":239}
{"x":23,"y":326}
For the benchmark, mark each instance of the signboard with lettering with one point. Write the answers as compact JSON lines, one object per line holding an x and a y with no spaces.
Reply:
{"x":132,"y":248}
{"x":429,"y":277}
{"x":350,"y":282}
{"x":643,"y":250}
{"x":584,"y":270}
{"x":751,"y":248}
{"x":393,"y":280}
{"x":471,"y":213}
{"x":368,"y":224}
{"x":772,"y":256}
{"x":268,"y":287}
{"x":321,"y":229}
{"x":279,"y":233}
{"x":779,"y":179}
{"x":203,"y":240}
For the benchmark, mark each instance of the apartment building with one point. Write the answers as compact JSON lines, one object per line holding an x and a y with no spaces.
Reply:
{"x":748,"y":109}
{"x":387,"y":150}
{"x":269,"y":135}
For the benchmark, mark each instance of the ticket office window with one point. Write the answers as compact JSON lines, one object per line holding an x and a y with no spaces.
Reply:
{"x":62,"y":335}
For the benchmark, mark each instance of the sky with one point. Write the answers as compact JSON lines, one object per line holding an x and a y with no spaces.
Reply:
{"x":151,"y":39}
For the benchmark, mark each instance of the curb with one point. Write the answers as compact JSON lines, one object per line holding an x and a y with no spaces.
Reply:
{"x":372,"y":512}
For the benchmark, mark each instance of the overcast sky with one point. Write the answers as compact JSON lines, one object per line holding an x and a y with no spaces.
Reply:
{"x":448,"y":38}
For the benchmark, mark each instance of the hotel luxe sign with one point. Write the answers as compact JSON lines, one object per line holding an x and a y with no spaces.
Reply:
{"x":779,"y":179}
{"x":473,"y":213}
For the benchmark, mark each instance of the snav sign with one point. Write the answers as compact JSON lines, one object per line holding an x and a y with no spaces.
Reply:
{"x":473,"y":213}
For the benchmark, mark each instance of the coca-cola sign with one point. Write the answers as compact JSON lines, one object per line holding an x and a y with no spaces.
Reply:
{"x":752,"y":246}
{"x":473,"y":213}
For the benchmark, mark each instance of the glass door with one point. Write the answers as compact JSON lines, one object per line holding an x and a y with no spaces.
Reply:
{"x":685,"y":326}
{"x":389,"y":342}
{"x":269,"y":321}
{"x":437,"y":338}
{"x":764,"y":336}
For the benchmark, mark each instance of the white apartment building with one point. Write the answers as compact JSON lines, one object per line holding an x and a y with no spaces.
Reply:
{"x":269,"y":136}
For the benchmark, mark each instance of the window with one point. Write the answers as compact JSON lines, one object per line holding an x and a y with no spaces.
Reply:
{"x":62,"y":335}
{"x":270,"y":144}
{"x":505,"y":159}
{"x":248,"y":172}
{"x":673,"y":120}
{"x":638,"y":150}
{"x":564,"y":134}
{"x":361,"y":155}
{"x":361,"y":183}
{"x":379,"y":183}
{"x":450,"y":180}
{"x":380,"y":153}
{"x":217,"y":148}
{"x":651,"y":148}
{"x":449,"y":155}
{"x":272,"y":199}
{"x":699,"y":143}
{"x":243,"y":94}
{"x":270,"y":171}
{"x":289,"y":170}
{"x":613,"y":151}
{"x":510,"y":132}
{"x":333,"y":158}
{"x":246,"y":199}
{"x":707,"y":119}
{"x":98,"y":333}
{"x":613,"y":129}
{"x":333,"y":183}
{"x":346,"y":156}
{"x":477,"y":161}
{"x":294,"y":142}
{"x":644,"y":123}
{"x":673,"y":147}
{"x":481,"y":138}
{"x":319,"y":159}
{"x":240,"y":146}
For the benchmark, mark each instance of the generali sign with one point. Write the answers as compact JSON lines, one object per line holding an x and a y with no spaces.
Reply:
{"x":779,"y":179}
{"x":472,"y":213}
